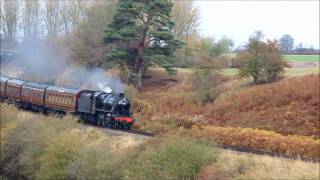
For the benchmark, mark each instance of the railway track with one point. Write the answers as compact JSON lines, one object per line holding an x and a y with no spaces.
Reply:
{"x":121,"y":131}
{"x":270,"y":153}
{"x":233,"y":148}
{"x":142,"y":133}
{"x":238,"y":149}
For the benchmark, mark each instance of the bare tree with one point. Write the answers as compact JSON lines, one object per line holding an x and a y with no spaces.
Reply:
{"x":31,"y":19}
{"x":52,"y":17}
{"x":186,"y":17}
{"x":9,"y":19}
{"x":87,"y":44}
{"x":72,"y":13}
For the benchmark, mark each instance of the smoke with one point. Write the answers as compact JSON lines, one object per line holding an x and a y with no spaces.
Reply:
{"x":96,"y":79}
{"x":47,"y":62}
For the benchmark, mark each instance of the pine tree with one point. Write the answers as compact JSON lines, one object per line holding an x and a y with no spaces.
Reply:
{"x":142,"y":35}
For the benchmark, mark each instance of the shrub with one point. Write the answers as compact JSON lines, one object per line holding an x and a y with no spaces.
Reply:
{"x":137,"y":104}
{"x":261,"y":60}
{"x":170,"y":158}
{"x":102,"y":157}
{"x":206,"y":84}
{"x":22,"y":142}
{"x":58,"y":155}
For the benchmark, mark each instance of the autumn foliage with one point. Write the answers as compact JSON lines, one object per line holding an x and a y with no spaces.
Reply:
{"x":260,"y":140}
{"x":288,"y":107}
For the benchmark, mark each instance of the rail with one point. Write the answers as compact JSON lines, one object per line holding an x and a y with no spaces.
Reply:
{"x":270,"y":153}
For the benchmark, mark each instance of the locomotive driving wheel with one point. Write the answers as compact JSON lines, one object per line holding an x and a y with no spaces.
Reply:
{"x":127,"y":126}
{"x":99,"y":122}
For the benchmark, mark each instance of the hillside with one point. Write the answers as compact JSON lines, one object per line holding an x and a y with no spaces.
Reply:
{"x":290,"y":106}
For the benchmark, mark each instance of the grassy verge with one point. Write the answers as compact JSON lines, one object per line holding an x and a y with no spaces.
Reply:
{"x":232,"y":165}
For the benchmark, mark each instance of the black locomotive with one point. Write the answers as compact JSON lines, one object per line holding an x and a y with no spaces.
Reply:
{"x":105,"y":109}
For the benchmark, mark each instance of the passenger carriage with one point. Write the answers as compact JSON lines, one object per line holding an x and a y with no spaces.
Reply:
{"x":32,"y":95}
{"x":3,"y":81}
{"x":13,"y":89}
{"x":61,"y":99}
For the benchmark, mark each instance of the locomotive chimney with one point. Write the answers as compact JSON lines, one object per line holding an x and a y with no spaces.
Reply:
{"x":121,"y":95}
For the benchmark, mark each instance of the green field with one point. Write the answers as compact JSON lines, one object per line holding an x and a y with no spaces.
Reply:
{"x":182,"y":72}
{"x":302,"y":58}
{"x":288,"y":71}
{"x":292,"y":57}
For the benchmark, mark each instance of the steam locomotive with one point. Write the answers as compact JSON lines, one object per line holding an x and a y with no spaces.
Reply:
{"x":105,"y":109}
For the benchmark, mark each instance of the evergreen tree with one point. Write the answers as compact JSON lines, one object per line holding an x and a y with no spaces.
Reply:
{"x":142,"y":35}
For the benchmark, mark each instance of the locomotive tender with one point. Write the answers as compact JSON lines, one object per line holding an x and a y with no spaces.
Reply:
{"x":96,"y":107}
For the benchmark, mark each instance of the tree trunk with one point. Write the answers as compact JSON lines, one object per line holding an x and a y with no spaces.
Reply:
{"x":255,"y":79}
{"x":139,"y":64}
{"x":140,"y":75}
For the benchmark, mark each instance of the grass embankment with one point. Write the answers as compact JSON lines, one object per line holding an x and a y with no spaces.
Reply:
{"x":34,"y":146}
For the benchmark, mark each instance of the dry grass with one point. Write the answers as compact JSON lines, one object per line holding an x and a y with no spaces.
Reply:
{"x":233,"y":165}
{"x":303,"y":146}
{"x":290,"y":106}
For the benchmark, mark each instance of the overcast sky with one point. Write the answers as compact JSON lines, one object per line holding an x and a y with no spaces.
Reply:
{"x":238,"y":20}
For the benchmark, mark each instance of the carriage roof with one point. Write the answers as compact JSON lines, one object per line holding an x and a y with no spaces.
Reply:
{"x":36,"y":85}
{"x":63,"y":90}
